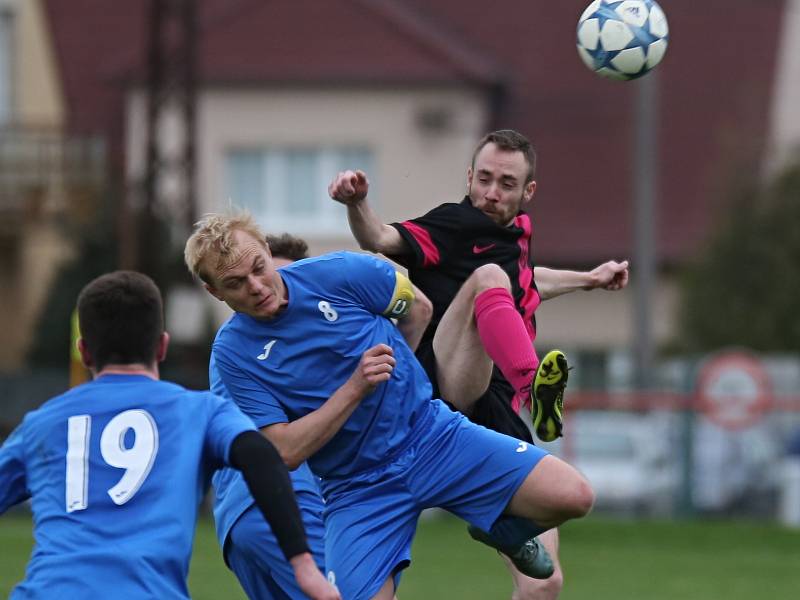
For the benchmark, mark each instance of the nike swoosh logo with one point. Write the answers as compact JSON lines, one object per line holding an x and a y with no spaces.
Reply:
{"x":478,"y":249}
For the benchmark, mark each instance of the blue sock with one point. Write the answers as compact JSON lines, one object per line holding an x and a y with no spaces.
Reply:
{"x":513,"y":532}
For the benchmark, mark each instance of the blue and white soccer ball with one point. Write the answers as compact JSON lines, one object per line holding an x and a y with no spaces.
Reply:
{"x":622,"y":39}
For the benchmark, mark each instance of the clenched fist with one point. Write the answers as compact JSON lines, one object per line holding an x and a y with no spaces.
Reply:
{"x":375,"y":367}
{"x":349,"y":187}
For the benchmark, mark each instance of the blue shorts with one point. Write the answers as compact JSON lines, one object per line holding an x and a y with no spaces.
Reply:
{"x":449,"y":462}
{"x":253,"y":554}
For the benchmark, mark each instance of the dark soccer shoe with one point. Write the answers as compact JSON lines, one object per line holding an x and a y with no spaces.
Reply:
{"x":547,"y":395}
{"x":531,"y":559}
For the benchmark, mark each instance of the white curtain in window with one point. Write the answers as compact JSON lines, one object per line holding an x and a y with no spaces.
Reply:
{"x":246,"y":177}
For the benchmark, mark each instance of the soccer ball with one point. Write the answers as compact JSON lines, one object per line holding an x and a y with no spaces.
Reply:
{"x":622,"y":39}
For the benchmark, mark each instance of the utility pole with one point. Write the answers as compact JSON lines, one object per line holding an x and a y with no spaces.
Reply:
{"x":168,"y":207}
{"x":645,"y":196}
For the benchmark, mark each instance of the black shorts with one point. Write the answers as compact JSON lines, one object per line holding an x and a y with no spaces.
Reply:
{"x":493,"y":409}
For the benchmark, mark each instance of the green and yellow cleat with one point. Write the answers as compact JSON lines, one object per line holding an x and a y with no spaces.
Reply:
{"x":547,"y":395}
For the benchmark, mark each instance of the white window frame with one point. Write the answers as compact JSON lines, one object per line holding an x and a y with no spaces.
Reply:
{"x":7,"y":58}
{"x":326,"y":217}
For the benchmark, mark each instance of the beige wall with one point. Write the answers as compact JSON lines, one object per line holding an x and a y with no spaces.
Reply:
{"x":784,"y":134}
{"x":38,"y":98}
{"x":40,"y":253}
{"x":416,"y":170}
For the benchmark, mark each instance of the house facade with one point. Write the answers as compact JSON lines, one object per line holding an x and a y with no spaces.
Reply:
{"x":290,"y":92}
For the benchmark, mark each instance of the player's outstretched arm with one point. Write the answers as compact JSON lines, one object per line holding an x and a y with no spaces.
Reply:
{"x":300,"y":439}
{"x":350,"y":188}
{"x":611,"y":275}
{"x":268,"y":480}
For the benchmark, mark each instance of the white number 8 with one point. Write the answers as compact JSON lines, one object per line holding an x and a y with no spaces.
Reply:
{"x":136,"y":460}
{"x":327,"y":310}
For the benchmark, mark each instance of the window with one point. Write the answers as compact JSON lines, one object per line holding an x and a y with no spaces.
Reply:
{"x":6,"y":63}
{"x":286,"y":188}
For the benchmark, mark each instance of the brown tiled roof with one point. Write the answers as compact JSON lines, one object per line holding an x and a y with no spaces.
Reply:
{"x":90,"y":37}
{"x":340,"y":42}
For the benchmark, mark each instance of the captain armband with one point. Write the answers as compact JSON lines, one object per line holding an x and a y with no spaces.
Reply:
{"x":402,"y":298}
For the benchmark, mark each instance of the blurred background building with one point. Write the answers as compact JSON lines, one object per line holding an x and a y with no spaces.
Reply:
{"x":122,"y":122}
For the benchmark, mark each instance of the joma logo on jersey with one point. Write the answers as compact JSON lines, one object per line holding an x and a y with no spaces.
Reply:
{"x":267,"y":348}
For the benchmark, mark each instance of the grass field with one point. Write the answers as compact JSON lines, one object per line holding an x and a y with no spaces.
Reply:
{"x":603,"y":560}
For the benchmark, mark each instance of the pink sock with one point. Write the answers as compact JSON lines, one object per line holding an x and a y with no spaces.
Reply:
{"x":506,"y":341}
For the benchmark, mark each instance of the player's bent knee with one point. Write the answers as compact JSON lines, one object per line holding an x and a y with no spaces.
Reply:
{"x":573,"y":502}
{"x":581,"y":499}
{"x":560,"y":491}
{"x":490,"y":276}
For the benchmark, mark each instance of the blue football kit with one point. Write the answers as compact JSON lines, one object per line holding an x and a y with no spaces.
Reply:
{"x":115,"y":469}
{"x":400,"y":451}
{"x":248,"y":544}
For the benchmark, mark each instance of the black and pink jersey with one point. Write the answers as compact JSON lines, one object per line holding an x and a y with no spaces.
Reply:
{"x":448,"y":243}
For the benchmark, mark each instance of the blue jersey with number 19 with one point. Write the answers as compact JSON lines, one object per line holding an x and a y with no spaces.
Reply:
{"x":116,"y":469}
{"x":281,"y":369}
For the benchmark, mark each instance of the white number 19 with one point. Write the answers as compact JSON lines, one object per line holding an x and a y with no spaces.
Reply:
{"x":136,"y":460}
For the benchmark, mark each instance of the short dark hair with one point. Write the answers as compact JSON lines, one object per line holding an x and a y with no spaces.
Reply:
{"x":510,"y":141}
{"x":121,"y":318}
{"x":287,"y":246}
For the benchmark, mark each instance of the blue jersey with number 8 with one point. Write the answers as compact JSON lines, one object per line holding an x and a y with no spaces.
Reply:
{"x":281,"y":369}
{"x":116,"y":469}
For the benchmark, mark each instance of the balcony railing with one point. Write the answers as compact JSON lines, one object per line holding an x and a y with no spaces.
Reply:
{"x":40,"y":168}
